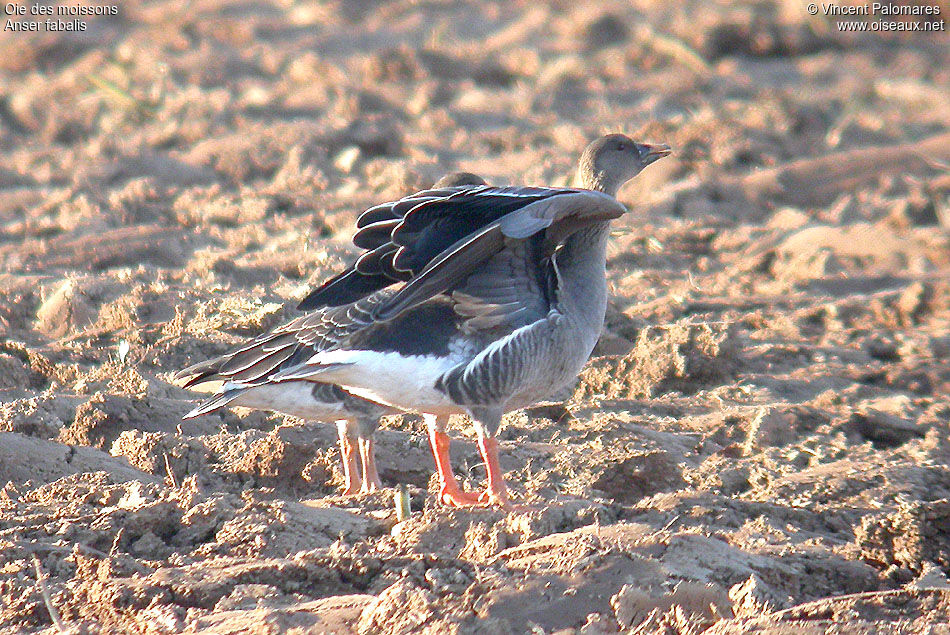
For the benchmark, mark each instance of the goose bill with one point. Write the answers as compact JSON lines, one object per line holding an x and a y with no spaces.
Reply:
{"x":652,"y":152}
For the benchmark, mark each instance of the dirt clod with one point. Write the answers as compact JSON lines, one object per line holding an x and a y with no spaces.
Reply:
{"x":683,"y":357}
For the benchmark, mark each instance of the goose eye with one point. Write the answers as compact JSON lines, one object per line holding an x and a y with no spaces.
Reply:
{"x":621,"y":147}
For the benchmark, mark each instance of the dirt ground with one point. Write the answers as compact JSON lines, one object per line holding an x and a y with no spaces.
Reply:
{"x":761,"y":443}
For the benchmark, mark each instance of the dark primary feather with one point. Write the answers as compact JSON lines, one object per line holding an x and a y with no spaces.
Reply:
{"x":453,"y":264}
{"x":345,"y":287}
{"x":399,"y":208}
{"x":371,"y":262}
{"x":199,"y":373}
{"x":375,"y":234}
{"x":375,"y":226}
{"x":217,"y":401}
{"x":369,"y":273}
{"x":432,"y":227}
{"x":259,"y":360}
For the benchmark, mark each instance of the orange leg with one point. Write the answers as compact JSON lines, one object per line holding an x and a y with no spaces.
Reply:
{"x":449,"y":493}
{"x":371,"y":481}
{"x":350,"y":467}
{"x":496,"y":494}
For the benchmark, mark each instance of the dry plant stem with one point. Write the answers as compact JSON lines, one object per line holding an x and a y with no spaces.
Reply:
{"x":168,"y":470}
{"x":115,"y":543}
{"x":41,"y":583}
{"x":403,"y":509}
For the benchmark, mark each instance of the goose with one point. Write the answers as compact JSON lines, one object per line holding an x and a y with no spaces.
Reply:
{"x":247,"y":370}
{"x":502,"y":299}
